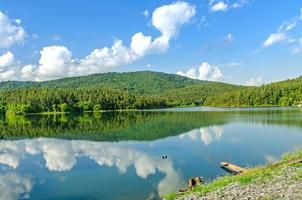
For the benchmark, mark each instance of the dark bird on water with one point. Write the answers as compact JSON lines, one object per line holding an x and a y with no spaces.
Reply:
{"x":164,"y":157}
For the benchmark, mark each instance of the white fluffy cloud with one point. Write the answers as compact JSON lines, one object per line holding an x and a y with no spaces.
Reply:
{"x":168,"y":19}
{"x":10,"y":31}
{"x":7,"y":75}
{"x":6,"y":59}
{"x":57,"y":61}
{"x":191,"y":73}
{"x":140,"y":43}
{"x":254,"y":82}
{"x":53,"y":61}
{"x":240,"y":3}
{"x":7,"y":68}
{"x":205,"y":72}
{"x":27,"y":72}
{"x":220,"y":6}
{"x":274,"y":38}
{"x":208,"y":72}
{"x":281,"y":34}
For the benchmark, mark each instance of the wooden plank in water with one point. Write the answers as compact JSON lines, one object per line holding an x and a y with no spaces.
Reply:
{"x":231,"y":168}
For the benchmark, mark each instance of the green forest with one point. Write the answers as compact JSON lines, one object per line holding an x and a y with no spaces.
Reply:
{"x":283,"y":93}
{"x":139,"y":90}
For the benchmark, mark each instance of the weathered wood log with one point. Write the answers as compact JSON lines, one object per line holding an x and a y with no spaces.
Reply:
{"x":231,"y":168}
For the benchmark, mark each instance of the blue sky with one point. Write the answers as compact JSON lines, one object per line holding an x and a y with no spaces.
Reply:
{"x":238,"y":41}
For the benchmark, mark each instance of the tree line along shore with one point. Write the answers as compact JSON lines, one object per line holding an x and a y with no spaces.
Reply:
{"x":139,"y":90}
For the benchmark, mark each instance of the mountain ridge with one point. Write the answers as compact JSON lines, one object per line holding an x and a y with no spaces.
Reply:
{"x":140,"y":82}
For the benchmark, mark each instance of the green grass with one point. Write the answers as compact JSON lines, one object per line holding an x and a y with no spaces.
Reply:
{"x":298,"y":175}
{"x":260,"y":173}
{"x":290,"y":156}
{"x":268,"y":198}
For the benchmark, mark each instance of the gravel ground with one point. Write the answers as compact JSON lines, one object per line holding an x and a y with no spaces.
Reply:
{"x":285,"y":185}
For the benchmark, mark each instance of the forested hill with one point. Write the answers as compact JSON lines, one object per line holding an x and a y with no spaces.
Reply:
{"x":144,"y":82}
{"x":139,"y":90}
{"x":108,"y":91}
{"x":13,"y":85}
{"x":282,"y":93}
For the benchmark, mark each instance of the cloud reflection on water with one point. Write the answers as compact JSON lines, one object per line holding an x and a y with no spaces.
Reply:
{"x":61,"y":155}
{"x":13,"y":186}
{"x":206,"y":135}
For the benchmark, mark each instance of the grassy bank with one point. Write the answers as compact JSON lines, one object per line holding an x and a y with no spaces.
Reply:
{"x":260,"y":173}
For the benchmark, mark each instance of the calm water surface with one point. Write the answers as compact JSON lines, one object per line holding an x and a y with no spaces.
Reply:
{"x":117,"y":155}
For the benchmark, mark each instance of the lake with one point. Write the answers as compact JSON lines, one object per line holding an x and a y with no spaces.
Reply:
{"x":118,"y":155}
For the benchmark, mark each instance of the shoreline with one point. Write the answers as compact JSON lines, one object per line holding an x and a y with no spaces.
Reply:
{"x":266,"y":178}
{"x":168,"y":109}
